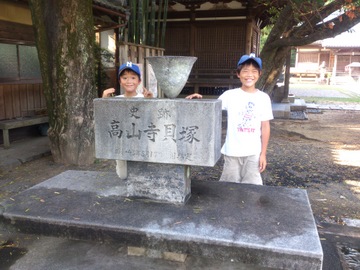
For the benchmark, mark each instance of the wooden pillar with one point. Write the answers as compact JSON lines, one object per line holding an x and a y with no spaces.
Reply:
{"x":117,"y":60}
{"x":333,"y":76}
{"x":249,"y":32}
{"x":193,"y":40}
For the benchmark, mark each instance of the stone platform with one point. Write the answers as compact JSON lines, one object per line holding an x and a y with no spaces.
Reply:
{"x":289,"y":110}
{"x":259,"y":225}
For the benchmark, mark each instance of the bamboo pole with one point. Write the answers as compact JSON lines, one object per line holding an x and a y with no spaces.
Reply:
{"x":163,"y":30}
{"x":133,"y":21}
{"x":152,"y":23}
{"x":146,"y":21}
{"x":158,"y":26}
{"x":140,"y":18}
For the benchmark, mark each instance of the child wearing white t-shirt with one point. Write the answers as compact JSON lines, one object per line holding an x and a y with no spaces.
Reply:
{"x":249,"y":113}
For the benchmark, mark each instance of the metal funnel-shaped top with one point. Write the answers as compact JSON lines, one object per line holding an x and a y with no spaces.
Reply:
{"x":171,"y":72}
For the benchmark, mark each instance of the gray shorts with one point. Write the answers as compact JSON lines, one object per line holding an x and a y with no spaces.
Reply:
{"x":242,"y":170}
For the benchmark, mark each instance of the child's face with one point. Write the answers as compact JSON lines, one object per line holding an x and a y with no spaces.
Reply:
{"x":129,"y":81}
{"x":249,"y":75}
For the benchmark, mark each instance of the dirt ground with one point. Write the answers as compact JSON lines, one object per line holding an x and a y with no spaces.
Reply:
{"x":321,"y":155}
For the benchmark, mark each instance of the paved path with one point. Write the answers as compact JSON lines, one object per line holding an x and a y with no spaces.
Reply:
{"x":330,"y":91}
{"x":333,"y":91}
{"x":22,"y":151}
{"x":352,"y":107}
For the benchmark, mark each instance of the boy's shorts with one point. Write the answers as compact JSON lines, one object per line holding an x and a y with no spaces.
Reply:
{"x":242,"y":170}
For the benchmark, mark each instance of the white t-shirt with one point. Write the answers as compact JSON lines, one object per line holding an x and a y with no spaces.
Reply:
{"x":137,"y":95}
{"x":245,"y":112}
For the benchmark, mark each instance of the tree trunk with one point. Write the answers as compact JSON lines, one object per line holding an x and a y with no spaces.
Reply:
{"x":65,"y":42}
{"x":274,"y":57}
{"x":273,"y":62}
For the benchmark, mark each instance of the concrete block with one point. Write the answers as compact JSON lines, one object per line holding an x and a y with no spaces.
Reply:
{"x":172,"y":256}
{"x":153,"y":253}
{"x":173,"y":131}
{"x":146,"y":252}
{"x":136,"y":251}
{"x":281,"y":110}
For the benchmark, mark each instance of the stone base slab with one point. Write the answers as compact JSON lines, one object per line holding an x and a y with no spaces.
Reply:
{"x":257,"y":225}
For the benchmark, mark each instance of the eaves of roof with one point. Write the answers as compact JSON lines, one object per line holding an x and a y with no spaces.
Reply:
{"x":344,"y":40}
{"x":115,"y":5}
{"x":332,"y":43}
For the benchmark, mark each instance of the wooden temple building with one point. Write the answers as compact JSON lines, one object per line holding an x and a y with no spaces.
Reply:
{"x":340,"y":57}
{"x":216,"y":32}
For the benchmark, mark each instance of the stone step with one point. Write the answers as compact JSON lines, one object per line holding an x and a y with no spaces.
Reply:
{"x":281,"y":110}
{"x":257,"y":225}
{"x":298,"y":105}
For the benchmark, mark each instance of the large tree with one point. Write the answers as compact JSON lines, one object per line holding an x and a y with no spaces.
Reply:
{"x":301,"y":22}
{"x":65,"y":42}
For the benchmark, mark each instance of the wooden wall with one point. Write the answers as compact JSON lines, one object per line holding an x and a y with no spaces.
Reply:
{"x":216,"y":45}
{"x":21,"y":100}
{"x":16,"y":33}
{"x":136,"y":53}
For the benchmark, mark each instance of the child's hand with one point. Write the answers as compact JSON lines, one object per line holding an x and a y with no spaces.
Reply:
{"x":262,"y":163}
{"x":147,"y":93}
{"x":195,"y":95}
{"x":108,"y":92}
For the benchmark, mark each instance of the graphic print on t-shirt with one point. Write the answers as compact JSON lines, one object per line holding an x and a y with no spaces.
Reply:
{"x":246,"y":119}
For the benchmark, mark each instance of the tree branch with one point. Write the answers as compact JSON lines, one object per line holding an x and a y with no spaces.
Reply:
{"x":321,"y":31}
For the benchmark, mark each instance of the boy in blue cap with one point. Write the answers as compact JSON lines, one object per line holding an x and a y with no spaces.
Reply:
{"x":248,"y":128}
{"x":249,"y":113}
{"x":129,"y":78}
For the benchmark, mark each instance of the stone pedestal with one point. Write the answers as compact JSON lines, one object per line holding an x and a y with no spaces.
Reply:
{"x":160,"y":182}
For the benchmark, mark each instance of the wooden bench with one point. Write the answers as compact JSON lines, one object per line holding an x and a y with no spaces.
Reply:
{"x":302,"y":75}
{"x":5,"y":125}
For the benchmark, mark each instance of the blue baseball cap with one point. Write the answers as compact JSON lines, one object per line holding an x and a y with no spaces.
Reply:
{"x":130,"y":66}
{"x":250,"y":57}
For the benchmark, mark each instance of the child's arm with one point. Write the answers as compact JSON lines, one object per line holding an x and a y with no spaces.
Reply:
{"x":108,"y":92}
{"x":265,"y":136}
{"x":147,"y":93}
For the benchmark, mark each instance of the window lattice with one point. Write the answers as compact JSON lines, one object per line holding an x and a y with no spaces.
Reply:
{"x":177,"y":41}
